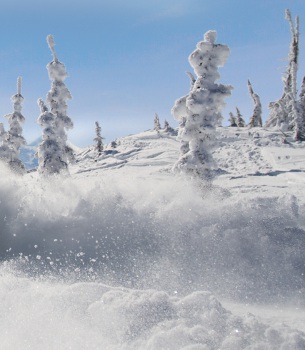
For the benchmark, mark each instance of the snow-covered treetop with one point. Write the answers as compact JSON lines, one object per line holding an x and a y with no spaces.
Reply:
{"x":18,"y":98}
{"x":51,"y":43}
{"x":294,"y":30}
{"x":209,"y":56}
{"x":19,"y":83}
{"x":57,"y":70}
{"x":210,"y":36}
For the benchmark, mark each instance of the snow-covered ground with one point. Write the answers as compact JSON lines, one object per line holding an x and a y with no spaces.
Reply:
{"x":123,"y":254}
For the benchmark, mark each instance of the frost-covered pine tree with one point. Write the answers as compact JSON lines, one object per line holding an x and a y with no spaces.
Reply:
{"x":49,"y":151}
{"x":232,"y":120}
{"x":199,"y":112}
{"x":256,"y":119}
{"x":284,"y":113}
{"x":57,"y":99}
{"x":98,"y":139}
{"x":13,"y":139}
{"x":157,"y":125}
{"x":113,"y":144}
{"x":239,"y":119}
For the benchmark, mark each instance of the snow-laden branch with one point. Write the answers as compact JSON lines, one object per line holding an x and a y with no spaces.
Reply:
{"x":51,"y":43}
{"x":19,"y":84}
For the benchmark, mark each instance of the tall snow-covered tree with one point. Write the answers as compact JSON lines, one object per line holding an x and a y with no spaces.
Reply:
{"x":256,"y":119}
{"x":157,"y":125}
{"x":239,"y":119}
{"x":57,"y":99}
{"x":49,"y":151}
{"x":98,"y":139}
{"x":232,"y":120}
{"x":13,"y":139}
{"x":199,"y":112}
{"x":284,"y":113}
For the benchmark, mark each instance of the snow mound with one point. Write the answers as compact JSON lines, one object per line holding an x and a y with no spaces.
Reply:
{"x":91,"y":315}
{"x":155,"y":149}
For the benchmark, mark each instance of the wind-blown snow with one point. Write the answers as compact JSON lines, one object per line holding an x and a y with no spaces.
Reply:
{"x":125,"y":255}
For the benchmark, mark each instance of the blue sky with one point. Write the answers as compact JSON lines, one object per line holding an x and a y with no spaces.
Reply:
{"x":127,"y":59}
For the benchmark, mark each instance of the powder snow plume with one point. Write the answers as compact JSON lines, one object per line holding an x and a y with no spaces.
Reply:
{"x":123,"y":265}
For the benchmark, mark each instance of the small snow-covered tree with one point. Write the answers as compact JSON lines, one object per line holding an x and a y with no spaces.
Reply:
{"x":98,"y":139}
{"x":157,"y":125}
{"x":256,"y":119}
{"x":277,"y":116}
{"x":232,"y":120}
{"x":168,"y":128}
{"x":13,"y":139}
{"x":239,"y":119}
{"x":199,"y":112}
{"x":284,"y":113}
{"x":113,"y":144}
{"x":57,"y":98}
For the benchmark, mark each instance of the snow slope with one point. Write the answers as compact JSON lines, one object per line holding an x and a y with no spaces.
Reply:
{"x":123,"y":254}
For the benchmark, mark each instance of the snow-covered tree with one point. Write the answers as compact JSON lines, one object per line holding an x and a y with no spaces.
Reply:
{"x":256,"y":119}
{"x":157,"y":125}
{"x":57,"y":99}
{"x":113,"y":144}
{"x":302,"y":101}
{"x":98,"y":139}
{"x":232,"y":120}
{"x":49,"y":151}
{"x":199,"y":112}
{"x":278,"y":116}
{"x":239,"y":119}
{"x":13,"y":140}
{"x":168,"y":128}
{"x":284,"y":113}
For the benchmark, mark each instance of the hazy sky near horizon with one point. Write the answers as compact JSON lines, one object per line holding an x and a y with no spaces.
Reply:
{"x":127,"y":59}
